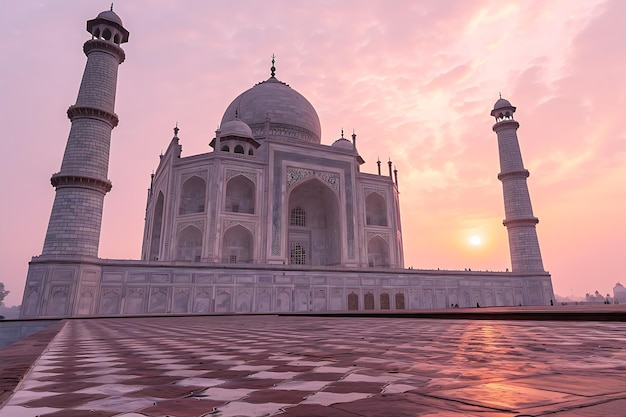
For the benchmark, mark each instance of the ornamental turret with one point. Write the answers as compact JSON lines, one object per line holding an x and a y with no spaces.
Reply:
{"x":81,"y":184}
{"x":519,"y":219}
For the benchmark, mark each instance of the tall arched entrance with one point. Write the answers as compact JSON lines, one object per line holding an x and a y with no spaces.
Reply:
{"x":314,"y":231}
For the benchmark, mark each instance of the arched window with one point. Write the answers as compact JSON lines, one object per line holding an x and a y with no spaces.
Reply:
{"x":225,"y":148}
{"x":240,"y":195}
{"x":399,"y":301}
{"x":384,"y":301}
{"x":250,"y":152}
{"x":297,"y":254}
{"x":298,"y":217}
{"x":106,"y":34}
{"x":377,"y":253}
{"x":96,"y":33}
{"x":375,"y":210}
{"x":368,"y":300}
{"x":237,"y":245}
{"x":193,"y":196}
{"x":353,"y":301}
{"x":238,"y":149}
{"x":189,"y":245}
{"x":116,"y":39}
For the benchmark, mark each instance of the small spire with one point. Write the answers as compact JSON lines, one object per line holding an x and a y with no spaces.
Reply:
{"x":342,"y":133}
{"x":353,"y":137}
{"x":176,"y":130}
{"x":111,"y":6}
{"x":273,"y":69}
{"x":500,"y":94}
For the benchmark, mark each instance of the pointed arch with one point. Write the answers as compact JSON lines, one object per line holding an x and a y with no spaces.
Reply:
{"x":193,"y":195}
{"x":189,"y":244}
{"x":377,"y":253}
{"x":314,"y":235}
{"x":237,"y":245}
{"x":375,"y":210}
{"x":240,"y":195}
{"x":157,"y":226}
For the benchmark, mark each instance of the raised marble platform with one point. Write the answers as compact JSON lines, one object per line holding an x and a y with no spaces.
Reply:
{"x":81,"y":287}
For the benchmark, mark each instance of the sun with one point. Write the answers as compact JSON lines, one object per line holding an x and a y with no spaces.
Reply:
{"x":475,"y":240}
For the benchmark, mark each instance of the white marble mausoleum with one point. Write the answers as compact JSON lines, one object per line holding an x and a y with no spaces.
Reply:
{"x":272,"y":219}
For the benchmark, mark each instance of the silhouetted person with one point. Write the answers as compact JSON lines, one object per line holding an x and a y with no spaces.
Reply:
{"x":477,"y":305}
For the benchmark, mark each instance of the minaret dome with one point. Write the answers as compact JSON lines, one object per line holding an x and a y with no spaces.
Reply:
{"x":108,"y":26}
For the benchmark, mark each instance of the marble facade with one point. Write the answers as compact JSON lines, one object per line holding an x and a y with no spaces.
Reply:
{"x":270,"y":220}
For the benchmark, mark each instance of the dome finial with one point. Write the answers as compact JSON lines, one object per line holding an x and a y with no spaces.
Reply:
{"x":273,"y":69}
{"x":342,"y":133}
{"x":176,"y":130}
{"x":500,"y":94}
{"x":111,"y":6}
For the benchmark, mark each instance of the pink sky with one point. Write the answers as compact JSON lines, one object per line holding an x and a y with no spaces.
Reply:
{"x":416,"y":80}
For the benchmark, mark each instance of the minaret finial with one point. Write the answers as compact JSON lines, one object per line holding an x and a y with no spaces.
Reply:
{"x":342,"y":133}
{"x":111,"y":6}
{"x":500,"y":94}
{"x":273,"y":69}
{"x":176,"y":130}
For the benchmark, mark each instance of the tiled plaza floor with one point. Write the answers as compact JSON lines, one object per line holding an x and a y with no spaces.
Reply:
{"x":325,"y":366}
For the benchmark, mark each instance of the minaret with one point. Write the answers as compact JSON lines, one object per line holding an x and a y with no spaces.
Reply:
{"x":519,"y":219}
{"x":81,"y":184}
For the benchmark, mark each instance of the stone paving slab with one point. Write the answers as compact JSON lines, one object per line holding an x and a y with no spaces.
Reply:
{"x":325,"y":366}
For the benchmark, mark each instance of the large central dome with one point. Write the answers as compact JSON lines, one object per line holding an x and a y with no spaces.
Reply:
{"x":291,"y":116}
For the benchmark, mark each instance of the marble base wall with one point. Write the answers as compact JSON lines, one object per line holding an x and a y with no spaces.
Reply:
{"x":94,"y":287}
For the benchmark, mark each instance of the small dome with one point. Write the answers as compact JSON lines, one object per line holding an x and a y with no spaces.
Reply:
{"x":501,"y":103}
{"x":343,"y":143}
{"x":237,"y":128}
{"x":291,"y":116}
{"x":111,"y":16}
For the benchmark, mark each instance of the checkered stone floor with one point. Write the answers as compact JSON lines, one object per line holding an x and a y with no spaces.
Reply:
{"x":307,"y":366}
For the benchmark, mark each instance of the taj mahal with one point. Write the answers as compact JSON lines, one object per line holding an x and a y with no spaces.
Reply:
{"x":272,"y":219}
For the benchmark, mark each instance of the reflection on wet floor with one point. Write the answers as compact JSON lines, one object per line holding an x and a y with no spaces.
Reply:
{"x":306,"y":366}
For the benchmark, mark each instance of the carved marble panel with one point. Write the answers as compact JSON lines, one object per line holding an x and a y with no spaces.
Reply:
{"x":283,"y":299}
{"x":234,"y":172}
{"x":110,"y":300}
{"x":296,"y":175}
{"x":181,"y":300}
{"x":223,"y":300}
{"x":264,"y":300}
{"x":203,"y":300}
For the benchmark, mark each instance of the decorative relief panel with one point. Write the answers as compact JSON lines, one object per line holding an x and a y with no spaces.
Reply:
{"x":135,"y":290}
{"x":196,"y":223}
{"x":384,"y":236}
{"x":295,"y":175}
{"x":60,"y":288}
{"x":228,"y":223}
{"x":369,"y":190}
{"x":85,"y":291}
{"x":184,"y":177}
{"x":113,"y":291}
{"x":233,"y":173}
